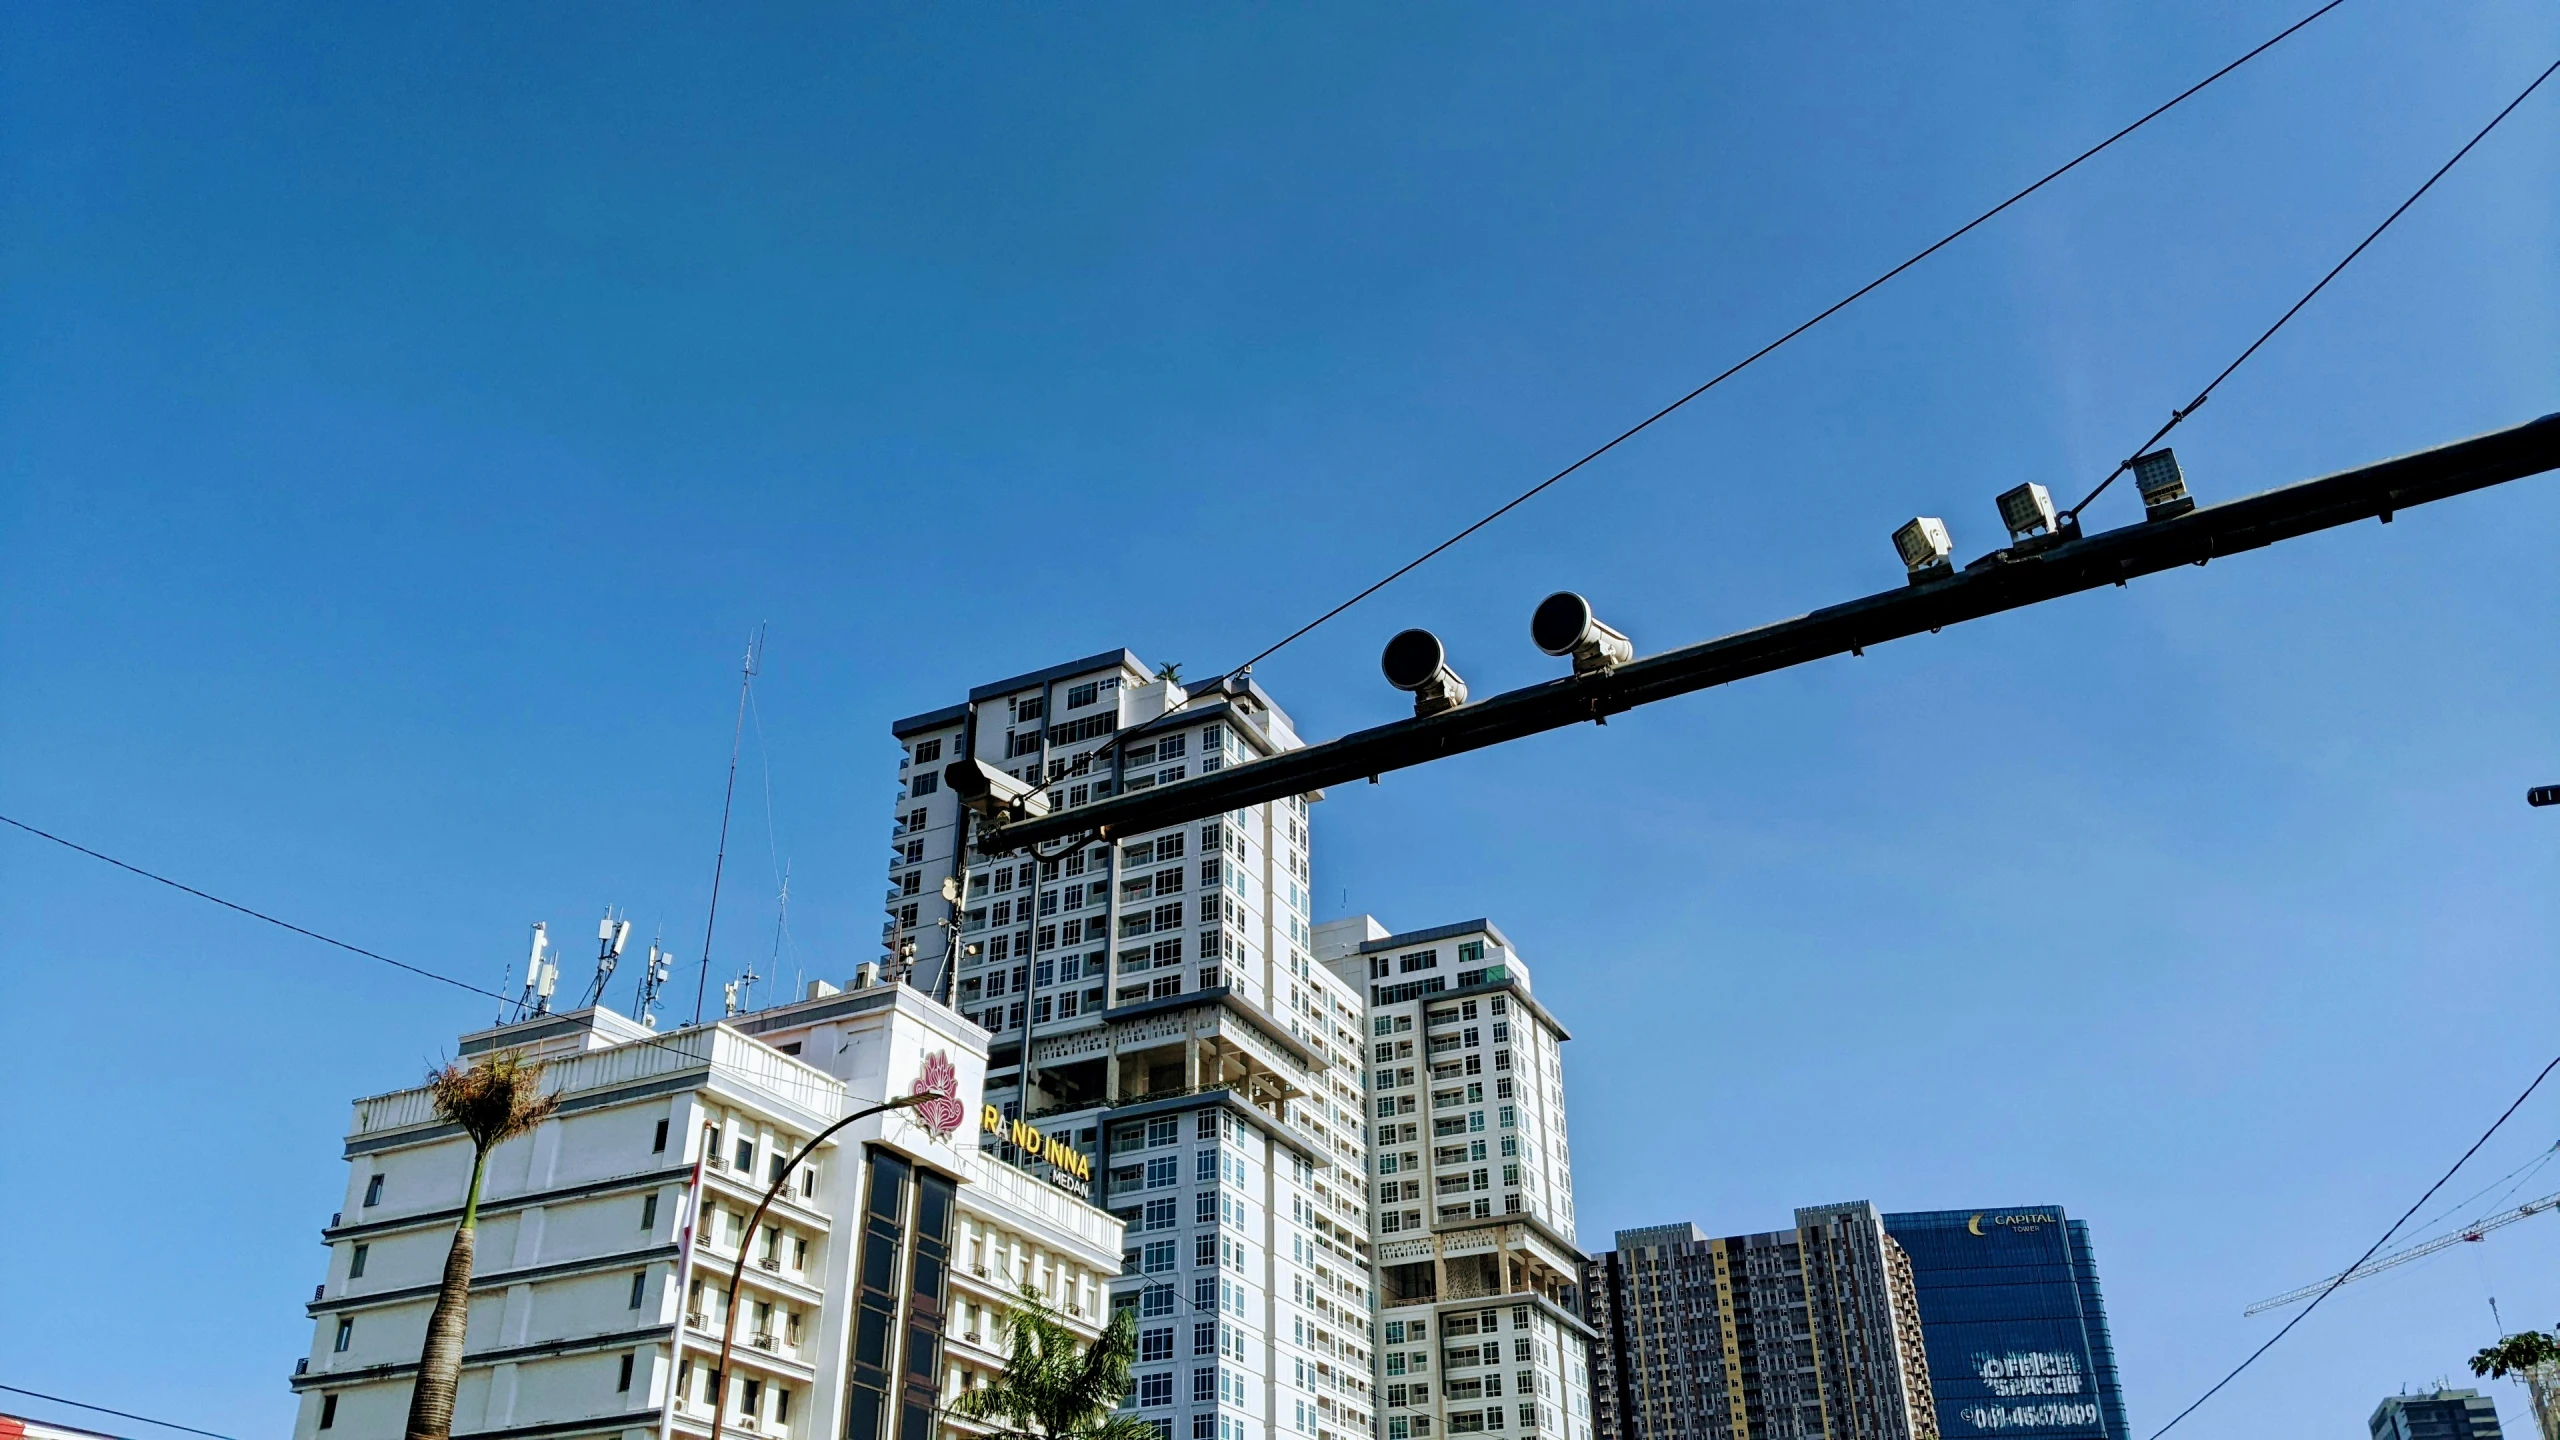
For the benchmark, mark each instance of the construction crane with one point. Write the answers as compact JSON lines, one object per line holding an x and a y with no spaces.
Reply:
{"x":2419,"y":1251}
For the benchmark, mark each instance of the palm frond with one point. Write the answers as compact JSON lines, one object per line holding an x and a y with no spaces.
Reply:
{"x":493,"y":1099}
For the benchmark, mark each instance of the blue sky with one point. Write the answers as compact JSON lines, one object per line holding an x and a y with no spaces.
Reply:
{"x":405,"y":415}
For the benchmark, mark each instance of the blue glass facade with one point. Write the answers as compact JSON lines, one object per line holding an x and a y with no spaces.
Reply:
{"x":2014,"y":1323}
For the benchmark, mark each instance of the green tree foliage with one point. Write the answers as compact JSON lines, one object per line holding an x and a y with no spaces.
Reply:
{"x":1054,"y":1386}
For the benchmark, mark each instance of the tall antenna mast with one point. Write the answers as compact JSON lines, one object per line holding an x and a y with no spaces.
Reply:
{"x":652,"y":979}
{"x":610,"y":937}
{"x":746,"y":676}
{"x":534,"y":966}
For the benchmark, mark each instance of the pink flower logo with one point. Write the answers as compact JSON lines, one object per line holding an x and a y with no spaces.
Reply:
{"x":943,"y":1113}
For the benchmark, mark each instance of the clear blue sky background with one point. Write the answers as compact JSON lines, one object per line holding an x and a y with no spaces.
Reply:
{"x":405,"y":415}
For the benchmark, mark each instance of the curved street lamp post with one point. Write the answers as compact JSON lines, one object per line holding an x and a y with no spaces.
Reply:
{"x":738,"y":1271}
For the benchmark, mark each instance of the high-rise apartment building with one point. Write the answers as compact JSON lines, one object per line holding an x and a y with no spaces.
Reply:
{"x":1805,"y":1334}
{"x":2438,"y":1414}
{"x":1150,"y":1002}
{"x":872,"y":1287}
{"x":1471,"y":1206}
{"x":2015,"y":1323}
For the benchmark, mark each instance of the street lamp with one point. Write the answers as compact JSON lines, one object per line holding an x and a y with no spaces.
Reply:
{"x":738,"y":1272}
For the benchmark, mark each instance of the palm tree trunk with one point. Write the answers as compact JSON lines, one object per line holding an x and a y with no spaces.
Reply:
{"x":440,"y":1363}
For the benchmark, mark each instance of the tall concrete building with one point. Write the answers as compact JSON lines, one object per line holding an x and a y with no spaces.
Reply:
{"x":872,"y":1288}
{"x":1471,"y":1208}
{"x":1804,"y":1334}
{"x":2438,"y":1414}
{"x":1151,"y":1002}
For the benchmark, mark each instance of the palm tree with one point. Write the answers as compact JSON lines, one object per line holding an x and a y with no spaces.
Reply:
{"x":2532,"y":1356}
{"x":493,"y":1100}
{"x":1054,"y":1386}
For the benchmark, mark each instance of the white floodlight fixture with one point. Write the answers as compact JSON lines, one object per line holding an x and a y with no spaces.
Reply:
{"x":1564,"y":625}
{"x":1416,"y":661}
{"x":2163,"y":485}
{"x":1927,"y":550}
{"x":992,"y":793}
{"x":2028,"y":511}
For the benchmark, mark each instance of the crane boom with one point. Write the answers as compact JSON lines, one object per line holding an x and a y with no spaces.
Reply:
{"x":2415,"y":1252}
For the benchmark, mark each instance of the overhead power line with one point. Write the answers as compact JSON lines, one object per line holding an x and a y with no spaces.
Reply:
{"x":662,"y":1042}
{"x":2351,"y":1271}
{"x":1747,"y":361}
{"x":2179,"y":416}
{"x":119,"y":1414}
{"x":159,"y":879}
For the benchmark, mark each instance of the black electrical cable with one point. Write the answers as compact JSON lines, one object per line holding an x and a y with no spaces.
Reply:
{"x":655,"y":1042}
{"x":253,"y":914}
{"x":2350,"y":1272}
{"x":1755,"y":356}
{"x":119,"y":1414}
{"x":2179,"y":416}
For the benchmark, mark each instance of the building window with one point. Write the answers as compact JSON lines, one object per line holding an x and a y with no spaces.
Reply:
{"x":355,"y":1262}
{"x":639,"y":1288}
{"x":1155,"y":1344}
{"x":1156,"y":1299}
{"x":328,"y":1411}
{"x":658,"y":1145}
{"x":1162,"y":1214}
{"x":346,"y":1334}
{"x":373,"y":1191}
{"x":649,"y":1211}
{"x":1154,"y":1390}
{"x":928,"y":751}
{"x":923,"y":784}
{"x":624,"y":1383}
{"x":1159,"y":1258}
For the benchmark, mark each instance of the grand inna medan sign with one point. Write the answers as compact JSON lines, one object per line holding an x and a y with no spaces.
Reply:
{"x":1026,"y":1137}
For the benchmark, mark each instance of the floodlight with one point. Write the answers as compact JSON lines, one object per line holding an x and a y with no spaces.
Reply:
{"x":2027,"y":510}
{"x":1416,"y":661}
{"x":1926,"y":548}
{"x":2163,"y":485}
{"x":1564,"y":625}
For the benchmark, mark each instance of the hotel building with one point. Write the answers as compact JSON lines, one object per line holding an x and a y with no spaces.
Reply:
{"x":871,"y":1291}
{"x":1151,"y":1002}
{"x":1471,"y":1206}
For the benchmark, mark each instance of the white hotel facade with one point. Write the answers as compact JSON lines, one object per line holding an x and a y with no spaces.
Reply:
{"x":1153,"y":1001}
{"x":872,"y":1288}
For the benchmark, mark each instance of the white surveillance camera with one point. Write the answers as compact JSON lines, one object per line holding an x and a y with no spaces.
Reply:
{"x":992,"y":793}
{"x":1564,"y":625}
{"x":1416,"y":661}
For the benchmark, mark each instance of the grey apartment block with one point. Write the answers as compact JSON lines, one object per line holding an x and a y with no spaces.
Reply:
{"x":2437,"y":1414}
{"x":1804,"y":1334}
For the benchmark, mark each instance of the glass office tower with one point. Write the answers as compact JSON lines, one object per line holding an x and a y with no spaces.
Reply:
{"x":2014,"y":1325}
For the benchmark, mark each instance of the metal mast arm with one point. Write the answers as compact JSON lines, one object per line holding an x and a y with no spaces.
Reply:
{"x":2003,"y":580}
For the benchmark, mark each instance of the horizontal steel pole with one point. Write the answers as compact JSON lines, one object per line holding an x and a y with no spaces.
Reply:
{"x":2003,"y":580}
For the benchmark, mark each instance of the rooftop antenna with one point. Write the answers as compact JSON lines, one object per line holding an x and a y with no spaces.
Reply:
{"x":610,"y":938}
{"x":535,"y":964}
{"x":653,"y":978}
{"x":738,"y":733}
{"x":729,"y":997}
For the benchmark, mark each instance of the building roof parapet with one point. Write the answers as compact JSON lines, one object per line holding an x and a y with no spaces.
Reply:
{"x":1477,"y":926}
{"x":717,"y":1050}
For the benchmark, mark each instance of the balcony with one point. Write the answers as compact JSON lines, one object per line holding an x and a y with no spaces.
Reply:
{"x":762,"y":1340}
